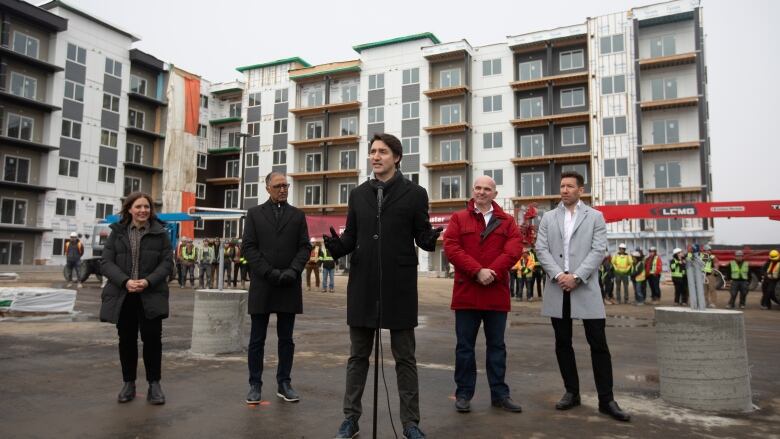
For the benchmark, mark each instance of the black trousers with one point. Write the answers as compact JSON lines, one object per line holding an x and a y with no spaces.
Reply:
{"x":599,"y":352}
{"x":654,"y":282}
{"x":402,"y":343}
{"x":768,"y":292}
{"x":285,"y":323}
{"x":131,"y":319}
{"x":680,"y":290}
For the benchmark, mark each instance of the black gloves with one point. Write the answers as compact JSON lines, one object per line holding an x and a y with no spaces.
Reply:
{"x":430,"y":240}
{"x":273,"y":276}
{"x":333,"y":244}
{"x":288,"y":277}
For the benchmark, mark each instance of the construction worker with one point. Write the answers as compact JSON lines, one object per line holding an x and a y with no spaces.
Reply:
{"x":740,"y":275}
{"x":228,"y":254}
{"x":527,"y":264}
{"x":177,"y":260}
{"x":237,"y":267}
{"x":623,"y":263}
{"x":74,"y":250}
{"x":312,"y":265}
{"x":513,"y":282}
{"x":328,"y":269}
{"x":677,"y":268}
{"x":539,"y":278}
{"x":771,"y":274}
{"x":205,"y":259}
{"x":244,"y":271}
{"x":653,"y":267}
{"x":607,"y":280}
{"x":188,"y":261}
{"x":639,"y":277}
{"x":710,"y":278}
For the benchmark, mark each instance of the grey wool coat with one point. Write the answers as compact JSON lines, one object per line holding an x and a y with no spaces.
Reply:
{"x":587,"y":247}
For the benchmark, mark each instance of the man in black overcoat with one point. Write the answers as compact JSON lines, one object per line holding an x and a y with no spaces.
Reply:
{"x":276,"y":245}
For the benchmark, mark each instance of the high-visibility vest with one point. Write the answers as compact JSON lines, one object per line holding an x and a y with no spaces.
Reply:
{"x":242,"y":260}
{"x":708,"y":260}
{"x":622,"y":263}
{"x":773,"y":270}
{"x":188,"y":254}
{"x":739,"y":272}
{"x":324,"y":255}
{"x":654,"y":264}
{"x":639,"y":271}
{"x":207,"y":254}
{"x":527,"y":266}
{"x":677,"y":268}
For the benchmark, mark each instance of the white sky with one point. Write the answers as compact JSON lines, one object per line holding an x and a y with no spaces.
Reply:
{"x":212,"y":38}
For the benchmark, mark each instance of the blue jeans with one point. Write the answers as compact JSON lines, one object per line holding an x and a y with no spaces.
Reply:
{"x":285,"y":322}
{"x":639,"y":291}
{"x":327,"y":272}
{"x":467,"y":324}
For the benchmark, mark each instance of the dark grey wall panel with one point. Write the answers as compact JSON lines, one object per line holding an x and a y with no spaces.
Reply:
{"x":410,"y":93}
{"x":281,"y":110}
{"x":109,"y":120}
{"x":70,"y":148}
{"x":410,"y":163}
{"x":280,"y":141}
{"x":279,"y":168}
{"x":251,"y":175}
{"x":112,"y":84}
{"x":410,"y":128}
{"x":374,"y":128}
{"x":252,"y":144}
{"x":75,"y":72}
{"x":376,"y":98}
{"x":107,"y":156}
{"x":253,"y":114}
{"x":526,"y":57}
{"x":72,"y":110}
{"x":250,"y":202}
{"x":560,"y":149}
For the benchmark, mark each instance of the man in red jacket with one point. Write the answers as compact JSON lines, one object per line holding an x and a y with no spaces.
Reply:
{"x":653,"y":267}
{"x":482,"y":242}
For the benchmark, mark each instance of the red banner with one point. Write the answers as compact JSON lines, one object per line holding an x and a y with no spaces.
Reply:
{"x":723,"y":209}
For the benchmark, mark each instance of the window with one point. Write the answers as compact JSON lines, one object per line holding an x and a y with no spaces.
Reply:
{"x":662,"y":46}
{"x":376,"y":82}
{"x":450,"y":187}
{"x":573,"y":97}
{"x":253,"y":128}
{"x":11,"y":252}
{"x":203,"y":131}
{"x":612,"y":44}
{"x":231,"y":169}
{"x":65,"y":207}
{"x":231,"y":199}
{"x":411,"y":145}
{"x":106,"y":174}
{"x":450,"y":150}
{"x":13,"y":211}
{"x":410,"y":110}
{"x":613,"y":84}
{"x":24,"y":86}
{"x":530,"y":70}
{"x":132,"y":184}
{"x":231,"y":227}
{"x":580,"y":168}
{"x":254,"y":99}
{"x":199,"y":224}
{"x":616,"y":167}
{"x":349,"y":93}
{"x":496,"y":174}
{"x":252,"y":160}
{"x":202,"y":160}
{"x":315,"y":97}
{"x":280,"y":157}
{"x":108,"y":138}
{"x":449,"y":78}
{"x":21,"y":127}
{"x":492,"y":140}
{"x":312,"y":195}
{"x":234,"y":109}
{"x":449,"y":114}
{"x":77,"y":54}
{"x":113,"y":68}
{"x":200,"y":191}
{"x":111,"y":102}
{"x":314,"y":129}
{"x":491,"y":67}
{"x":348,"y":126}
{"x":531,"y":107}
{"x":376,"y":114}
{"x":103,"y":210}
{"x":25,"y":44}
{"x":667,"y":175}
{"x":348,"y":159}
{"x":532,"y":145}
{"x":410,"y":76}
{"x":233,"y":139}
{"x":614,"y":125}
{"x":135,"y":153}
{"x":137,"y":85}
{"x":280,"y":95}
{"x":71,"y":129}
{"x":69,"y":168}
{"x":313,"y":162}
{"x":572,"y":59}
{"x":663,"y":225}
{"x":204,"y":101}
{"x":58,"y":246}
{"x":16,"y":169}
{"x":74,"y":91}
{"x":280,"y":126}
{"x":664,"y":88}
{"x":413,"y":177}
{"x":665,"y":131}
{"x":571,"y":136}
{"x":250,"y":190}
{"x":531,"y":184}
{"x":491,"y":103}
{"x":344,"y":190}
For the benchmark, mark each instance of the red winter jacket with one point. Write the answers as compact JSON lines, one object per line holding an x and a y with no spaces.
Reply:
{"x":469,"y":249}
{"x":659,"y":265}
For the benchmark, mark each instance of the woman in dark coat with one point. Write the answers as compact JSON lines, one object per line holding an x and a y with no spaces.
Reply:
{"x":137,"y":260}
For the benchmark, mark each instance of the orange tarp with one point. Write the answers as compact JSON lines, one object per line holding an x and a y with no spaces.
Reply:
{"x":187,"y":201}
{"x":191,"y":105}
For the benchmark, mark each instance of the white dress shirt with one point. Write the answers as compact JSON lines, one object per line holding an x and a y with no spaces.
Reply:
{"x":568,"y":227}
{"x":487,"y":215}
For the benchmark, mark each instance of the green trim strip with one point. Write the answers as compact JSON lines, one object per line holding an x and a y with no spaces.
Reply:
{"x":326,"y":72}
{"x":223,"y":150}
{"x":225,"y":120}
{"x":274,"y":63}
{"x":404,"y":39}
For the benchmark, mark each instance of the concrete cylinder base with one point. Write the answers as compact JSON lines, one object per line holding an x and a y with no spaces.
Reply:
{"x":702,"y":359}
{"x":218,"y":321}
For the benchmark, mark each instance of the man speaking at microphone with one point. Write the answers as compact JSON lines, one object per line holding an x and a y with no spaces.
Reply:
{"x":386,"y":216}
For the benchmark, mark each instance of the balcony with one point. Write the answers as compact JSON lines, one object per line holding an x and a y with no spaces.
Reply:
{"x":6,"y":52}
{"x":666,"y":104}
{"x":449,"y":128}
{"x":316,"y":175}
{"x":226,"y":120}
{"x":143,"y":167}
{"x":448,"y":202}
{"x":223,"y":181}
{"x":542,"y":198}
{"x":227,"y":90}
{"x":143,"y":132}
{"x":320,"y":71}
{"x":147,"y":99}
{"x":13,"y":141}
{"x":322,"y":141}
{"x":559,"y":37}
{"x":448,"y":51}
{"x":543,"y":82}
{"x":12,"y":185}
{"x":672,"y":190}
{"x":14,"y":228}
{"x":27,"y":102}
{"x":447,"y":92}
{"x":578,"y":157}
{"x":671,"y":146}
{"x":553,"y":118}
{"x":448,"y":165}
{"x":326,"y":108}
{"x":667,"y":61}
{"x":224,"y":150}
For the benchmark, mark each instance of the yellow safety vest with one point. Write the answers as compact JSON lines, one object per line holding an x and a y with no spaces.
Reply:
{"x":622,"y":263}
{"x":677,"y":268}
{"x":739,"y":272}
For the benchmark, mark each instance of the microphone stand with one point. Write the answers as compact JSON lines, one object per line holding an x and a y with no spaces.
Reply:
{"x":379,"y":195}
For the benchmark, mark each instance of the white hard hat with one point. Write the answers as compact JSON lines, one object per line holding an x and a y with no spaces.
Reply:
{"x":74,"y":235}
{"x":652,"y":249}
{"x":621,"y":245}
{"x":676,"y":250}
{"x":707,"y":247}
{"x":636,"y":254}
{"x":313,"y":240}
{"x":739,"y":253}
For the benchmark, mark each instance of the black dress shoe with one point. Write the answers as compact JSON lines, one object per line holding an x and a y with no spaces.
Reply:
{"x":508,"y":405}
{"x":253,"y":397}
{"x":613,"y":409}
{"x":462,"y":405}
{"x":127,"y":393}
{"x":155,"y":395}
{"x":287,"y":393}
{"x":568,"y":401}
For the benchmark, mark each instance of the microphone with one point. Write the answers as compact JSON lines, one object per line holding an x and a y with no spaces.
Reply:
{"x":379,"y":193}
